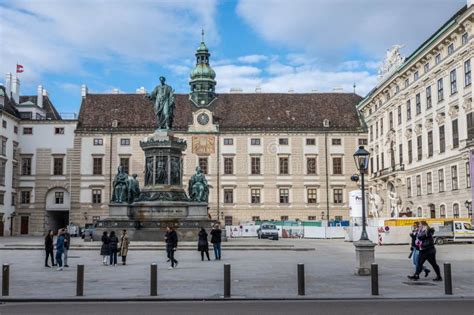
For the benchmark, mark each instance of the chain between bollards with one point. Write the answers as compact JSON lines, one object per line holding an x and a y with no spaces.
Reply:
{"x":153,"y":280}
{"x":301,"y":287}
{"x":227,"y":280}
{"x":80,"y":281}
{"x":448,"y":281}
{"x":6,"y":280}
{"x":374,"y":275}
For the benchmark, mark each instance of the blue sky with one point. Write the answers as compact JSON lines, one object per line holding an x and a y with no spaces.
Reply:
{"x":277,"y":45}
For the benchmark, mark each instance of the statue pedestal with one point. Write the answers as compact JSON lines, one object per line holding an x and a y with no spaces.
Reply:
{"x":365,"y":257}
{"x":119,"y":211}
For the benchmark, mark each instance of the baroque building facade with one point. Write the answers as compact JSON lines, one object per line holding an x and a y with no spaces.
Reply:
{"x":420,"y":121}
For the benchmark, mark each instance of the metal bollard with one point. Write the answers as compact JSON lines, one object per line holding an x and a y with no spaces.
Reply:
{"x":301,"y":289}
{"x":227,"y":281}
{"x":80,"y":281}
{"x":153,"y":280}
{"x":6,"y":280}
{"x":448,"y":281}
{"x":374,"y":274}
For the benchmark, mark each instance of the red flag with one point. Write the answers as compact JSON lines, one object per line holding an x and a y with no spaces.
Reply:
{"x":19,"y":68}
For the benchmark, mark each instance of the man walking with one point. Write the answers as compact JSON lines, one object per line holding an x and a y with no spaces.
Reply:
{"x":171,"y":239}
{"x":60,"y":249}
{"x":216,"y":239}
{"x":67,"y":243}
{"x":49,"y":247}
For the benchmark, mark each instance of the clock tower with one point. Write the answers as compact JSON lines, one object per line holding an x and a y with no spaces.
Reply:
{"x":202,"y":81}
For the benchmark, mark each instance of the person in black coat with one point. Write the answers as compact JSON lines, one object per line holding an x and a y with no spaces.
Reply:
{"x":113,"y":247}
{"x":425,"y":243}
{"x":171,"y":239}
{"x":49,"y":248}
{"x":216,"y":240}
{"x":203,"y":244}
{"x":105,"y":250}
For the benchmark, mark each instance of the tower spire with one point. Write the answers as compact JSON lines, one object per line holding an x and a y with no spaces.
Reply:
{"x":202,"y":35}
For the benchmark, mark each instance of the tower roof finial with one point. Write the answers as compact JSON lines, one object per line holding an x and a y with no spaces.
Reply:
{"x":202,"y":35}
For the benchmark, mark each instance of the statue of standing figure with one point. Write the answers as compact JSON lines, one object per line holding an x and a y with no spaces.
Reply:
{"x":198,"y":187}
{"x":164,"y":99}
{"x":125,"y":188}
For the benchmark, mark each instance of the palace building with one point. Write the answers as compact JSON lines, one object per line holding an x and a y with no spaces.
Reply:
{"x":267,"y":156}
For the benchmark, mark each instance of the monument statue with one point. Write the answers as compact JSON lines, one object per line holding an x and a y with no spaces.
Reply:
{"x":164,"y":99}
{"x":149,"y":171}
{"x":175,"y":172}
{"x":133,"y":188}
{"x":376,"y":204}
{"x":198,"y":188}
{"x":125,"y":188}
{"x":161,"y":170}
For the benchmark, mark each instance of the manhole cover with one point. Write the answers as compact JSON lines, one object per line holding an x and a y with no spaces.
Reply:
{"x":419,"y":283}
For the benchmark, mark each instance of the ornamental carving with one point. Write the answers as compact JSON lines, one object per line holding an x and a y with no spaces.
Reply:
{"x":453,"y":111}
{"x":418,"y":129}
{"x":467,"y":104}
{"x":203,"y":145}
{"x":429,"y":124}
{"x":390,"y":136}
{"x":440,"y":118}
{"x":408,"y":133}
{"x":392,"y":61}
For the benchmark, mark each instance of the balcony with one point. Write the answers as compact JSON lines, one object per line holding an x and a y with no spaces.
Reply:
{"x":389,"y":171}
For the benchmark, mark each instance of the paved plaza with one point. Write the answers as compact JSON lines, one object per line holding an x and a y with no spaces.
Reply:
{"x":267,"y":269}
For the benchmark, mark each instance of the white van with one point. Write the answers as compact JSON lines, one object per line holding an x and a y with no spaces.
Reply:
{"x":454,"y":232}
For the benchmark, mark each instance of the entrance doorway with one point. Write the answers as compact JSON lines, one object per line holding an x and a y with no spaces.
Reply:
{"x":432,"y":211}
{"x":56,"y":220}
{"x":25,"y":224}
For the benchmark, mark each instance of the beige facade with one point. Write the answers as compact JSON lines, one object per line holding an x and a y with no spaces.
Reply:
{"x":420,"y":122}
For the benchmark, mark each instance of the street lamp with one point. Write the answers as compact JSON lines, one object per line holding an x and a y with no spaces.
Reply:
{"x":361,"y":158}
{"x":365,"y":255}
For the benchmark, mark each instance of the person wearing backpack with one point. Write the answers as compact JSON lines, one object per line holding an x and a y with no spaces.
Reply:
{"x":113,"y":247}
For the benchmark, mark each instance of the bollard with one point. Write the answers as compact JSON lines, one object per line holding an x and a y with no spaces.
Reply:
{"x":153,"y":280}
{"x":374,"y":273}
{"x":448,"y":281}
{"x":301,"y":290}
{"x":6,"y":280}
{"x":227,"y":281}
{"x":80,"y":281}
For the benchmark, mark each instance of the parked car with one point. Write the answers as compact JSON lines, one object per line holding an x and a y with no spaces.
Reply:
{"x":268,"y":230}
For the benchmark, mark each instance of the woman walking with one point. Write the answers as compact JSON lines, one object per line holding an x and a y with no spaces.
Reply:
{"x":60,"y":249}
{"x":171,"y":239}
{"x":49,"y":248}
{"x":425,"y":243}
{"x":216,"y":239}
{"x":113,"y":245}
{"x":123,"y":247}
{"x":203,"y":244}
{"x":105,"y":250}
{"x":415,"y":252}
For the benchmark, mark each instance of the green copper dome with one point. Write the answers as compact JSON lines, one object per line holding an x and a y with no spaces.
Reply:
{"x":202,"y":71}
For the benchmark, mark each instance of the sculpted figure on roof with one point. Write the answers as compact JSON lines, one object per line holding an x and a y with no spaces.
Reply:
{"x":164,"y":99}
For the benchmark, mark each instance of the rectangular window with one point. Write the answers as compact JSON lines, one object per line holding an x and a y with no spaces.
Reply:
{"x":3,"y":149}
{"x":418,"y":185}
{"x":450,"y":48}
{"x":2,"y":197}
{"x":312,"y":218}
{"x":371,"y":133}
{"x":125,"y":141}
{"x":408,"y":110}
{"x":429,"y":183}
{"x":382,"y":159}
{"x":97,"y":166}
{"x":255,"y":167}
{"x":228,"y":141}
{"x":255,"y":195}
{"x":376,"y":129}
{"x":228,"y":166}
{"x":228,"y":196}
{"x":15,"y":129}
{"x":381,"y":126}
{"x":4,"y":123}
{"x":228,"y":220}
{"x":441,"y":180}
{"x":254,"y":141}
{"x":415,"y":76}
{"x":26,"y":166}
{"x":312,"y":193}
{"x":430,"y":143}
{"x":284,"y":218}
{"x":27,"y":130}
{"x":26,"y":115}
{"x":311,"y":166}
{"x":467,"y":72}
{"x":454,"y":177}
{"x":283,"y":141}
{"x":336,"y":141}
{"x":390,"y":120}
{"x":13,"y":199}
{"x":408,"y":187}
{"x":470,"y":126}
{"x":284,"y":195}
{"x":98,"y":141}
{"x":203,"y":164}
{"x":255,"y":218}
{"x":337,"y":166}
{"x":464,"y":38}
{"x":2,"y":172}
{"x":399,"y":114}
{"x":452,"y":79}
{"x":400,"y":153}
{"x":363,"y":142}
{"x":407,"y":83}
{"x":59,"y":130}
{"x":284,"y":167}
{"x":58,"y":166}
{"x":25,"y":197}
{"x":419,"y":147}
{"x":337,"y":192}
{"x":96,"y":196}
{"x":125,"y":162}
{"x":442,"y":140}
{"x":310,"y":141}
{"x":410,"y":151}
{"x":455,"y":130}
{"x":437,"y":58}
{"x":440,"y":90}
{"x":428,"y":97}
{"x":418,"y":103}
{"x":468,"y":175}
{"x":59,"y":197}
{"x":426,"y":67}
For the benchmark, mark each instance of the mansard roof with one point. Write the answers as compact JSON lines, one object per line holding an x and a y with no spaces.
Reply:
{"x":9,"y":104}
{"x":231,"y":111}
{"x":48,"y":107}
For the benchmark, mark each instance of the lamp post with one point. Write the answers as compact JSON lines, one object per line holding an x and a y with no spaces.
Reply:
{"x":365,"y":254}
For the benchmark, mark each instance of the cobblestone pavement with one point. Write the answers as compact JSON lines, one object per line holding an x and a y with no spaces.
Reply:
{"x":255,"y":273}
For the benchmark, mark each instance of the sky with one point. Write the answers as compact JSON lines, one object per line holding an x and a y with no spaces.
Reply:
{"x":276,"y":45}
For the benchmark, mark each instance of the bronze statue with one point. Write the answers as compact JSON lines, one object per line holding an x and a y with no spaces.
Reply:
{"x":133,"y":188}
{"x":161,"y":176}
{"x":120,"y":186}
{"x":175,"y":173}
{"x":149,"y":171}
{"x":198,"y":187}
{"x":164,"y":99}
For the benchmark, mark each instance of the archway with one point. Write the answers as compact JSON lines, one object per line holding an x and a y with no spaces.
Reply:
{"x":57,"y":209}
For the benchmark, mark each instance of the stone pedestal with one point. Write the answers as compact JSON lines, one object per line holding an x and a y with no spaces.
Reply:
{"x":119,"y":211}
{"x":365,"y":256}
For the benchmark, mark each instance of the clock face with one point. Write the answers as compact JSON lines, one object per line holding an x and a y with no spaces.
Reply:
{"x":203,"y":119}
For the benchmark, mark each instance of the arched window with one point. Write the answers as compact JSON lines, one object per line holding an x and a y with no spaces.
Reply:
{"x":456,"y":210}
{"x":442,"y":211}
{"x":419,"y":212}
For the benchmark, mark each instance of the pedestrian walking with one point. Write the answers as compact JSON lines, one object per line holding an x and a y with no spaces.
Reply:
{"x":216,"y":239}
{"x":415,"y":252}
{"x":171,"y":239}
{"x":113,"y":245}
{"x":425,"y":243}
{"x":123,"y":247}
{"x":49,"y":248}
{"x":104,"y":249}
{"x":60,"y":249}
{"x":203,"y":244}
{"x":67,"y":243}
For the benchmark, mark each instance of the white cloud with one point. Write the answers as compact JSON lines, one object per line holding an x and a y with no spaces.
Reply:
{"x":252,"y":58}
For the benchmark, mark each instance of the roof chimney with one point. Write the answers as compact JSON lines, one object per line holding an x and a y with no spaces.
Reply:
{"x":338,"y":89}
{"x":115,"y":91}
{"x":8,"y":84}
{"x":16,"y":89}
{"x":83,"y":90}
{"x":141,"y":90}
{"x":39,"y":100}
